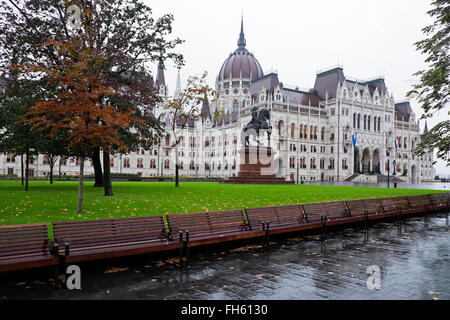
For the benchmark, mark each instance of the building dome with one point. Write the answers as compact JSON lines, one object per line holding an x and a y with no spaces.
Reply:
{"x":241,"y":63}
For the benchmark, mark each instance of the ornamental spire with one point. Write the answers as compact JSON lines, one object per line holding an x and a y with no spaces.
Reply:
{"x":241,"y":41}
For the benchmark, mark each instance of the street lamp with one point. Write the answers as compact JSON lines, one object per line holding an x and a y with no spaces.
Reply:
{"x":388,"y":169}
{"x":393,"y":174}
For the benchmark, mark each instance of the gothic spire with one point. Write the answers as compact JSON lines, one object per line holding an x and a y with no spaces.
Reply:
{"x":241,"y":41}
{"x":426,"y":127}
{"x":160,"y":78}
{"x":178,"y":86}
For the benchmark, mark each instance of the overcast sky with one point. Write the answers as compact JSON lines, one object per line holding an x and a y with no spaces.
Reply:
{"x":299,"y":38}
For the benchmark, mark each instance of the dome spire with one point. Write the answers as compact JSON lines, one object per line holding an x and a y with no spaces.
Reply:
{"x":241,"y":41}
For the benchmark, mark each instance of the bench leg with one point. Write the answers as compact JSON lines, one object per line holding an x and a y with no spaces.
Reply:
{"x":366,"y":222}
{"x":187,"y":248}
{"x":323,"y":230}
{"x":181,"y":248}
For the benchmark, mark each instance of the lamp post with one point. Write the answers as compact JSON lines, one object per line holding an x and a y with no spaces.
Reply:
{"x":393,"y":175}
{"x":388,"y":169}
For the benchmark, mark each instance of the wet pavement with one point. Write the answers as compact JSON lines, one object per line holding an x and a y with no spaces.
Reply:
{"x":413,"y":261}
{"x":444,"y":186}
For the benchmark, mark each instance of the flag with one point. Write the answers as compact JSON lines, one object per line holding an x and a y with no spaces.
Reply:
{"x":397,"y":142}
{"x":354,"y":139}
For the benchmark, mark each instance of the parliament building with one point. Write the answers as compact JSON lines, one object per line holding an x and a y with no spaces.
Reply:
{"x":342,"y":129}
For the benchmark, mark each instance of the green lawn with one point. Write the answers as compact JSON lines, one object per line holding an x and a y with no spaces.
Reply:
{"x":58,"y":202}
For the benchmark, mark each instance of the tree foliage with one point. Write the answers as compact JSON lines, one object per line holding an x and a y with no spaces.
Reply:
{"x":432,"y":92}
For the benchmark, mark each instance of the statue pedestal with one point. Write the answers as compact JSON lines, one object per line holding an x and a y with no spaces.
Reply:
{"x":257,"y":166}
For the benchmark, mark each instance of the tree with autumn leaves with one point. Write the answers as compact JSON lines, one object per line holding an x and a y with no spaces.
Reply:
{"x":98,"y":90}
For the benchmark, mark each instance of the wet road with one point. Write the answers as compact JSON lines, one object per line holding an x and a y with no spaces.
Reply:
{"x":413,"y":261}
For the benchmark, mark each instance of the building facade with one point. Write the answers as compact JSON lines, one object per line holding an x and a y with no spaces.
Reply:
{"x":341,"y":129}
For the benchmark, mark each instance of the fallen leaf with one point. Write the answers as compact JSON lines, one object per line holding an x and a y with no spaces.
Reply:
{"x":115,"y":269}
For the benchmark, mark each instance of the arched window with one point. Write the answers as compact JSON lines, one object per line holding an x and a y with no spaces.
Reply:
{"x":140,"y":164}
{"x":126,"y":163}
{"x":359,"y":120}
{"x":315,"y":133}
{"x":379,"y":122}
{"x":365,"y":122}
{"x":311,"y":136}
{"x":354,"y":120}
{"x":322,"y":164}
{"x":280,"y":126}
{"x":301,"y":131}
{"x":292,"y":130}
{"x":368,"y":123}
{"x":278,"y":95}
{"x":168,"y":140}
{"x":305,"y":132}
{"x":322,"y":133}
{"x":292,"y":163}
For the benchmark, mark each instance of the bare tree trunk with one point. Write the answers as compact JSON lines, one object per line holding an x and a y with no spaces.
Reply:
{"x":176,"y":168}
{"x":51,"y":162}
{"x":99,"y":182}
{"x":27,"y":170}
{"x":107,"y":175}
{"x":80,"y":185}
{"x":21,"y":168}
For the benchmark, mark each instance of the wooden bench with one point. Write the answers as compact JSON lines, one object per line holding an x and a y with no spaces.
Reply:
{"x":210,"y":227}
{"x":24,"y":247}
{"x":280,"y":219}
{"x":421,"y":203}
{"x":335,"y":212}
{"x":359,"y":209}
{"x":440,"y":201}
{"x":403,"y":204}
{"x":390,"y":208}
{"x":109,"y":238}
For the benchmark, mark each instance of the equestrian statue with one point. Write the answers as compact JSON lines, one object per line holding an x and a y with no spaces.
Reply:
{"x":258,"y":122}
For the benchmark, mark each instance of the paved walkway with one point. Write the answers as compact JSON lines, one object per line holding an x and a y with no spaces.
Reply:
{"x":414,"y":264}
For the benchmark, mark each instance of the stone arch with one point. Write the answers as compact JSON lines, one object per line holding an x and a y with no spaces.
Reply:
{"x":414,"y":173}
{"x":376,"y":161}
{"x":366,"y":160}
{"x":356,"y":160}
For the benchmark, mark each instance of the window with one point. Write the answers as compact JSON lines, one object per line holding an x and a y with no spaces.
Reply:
{"x":126,"y":163}
{"x":166,"y":164}
{"x":10,"y":157}
{"x":63,"y":161}
{"x":278,"y":96}
{"x":322,"y":134}
{"x":45,"y":160}
{"x":140,"y":164}
{"x":111,"y":162}
{"x":344,"y":164}
{"x":292,"y":163}
{"x":292,"y":130}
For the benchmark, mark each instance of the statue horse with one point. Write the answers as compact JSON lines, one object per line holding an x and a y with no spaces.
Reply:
{"x":257,"y":123}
